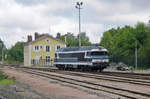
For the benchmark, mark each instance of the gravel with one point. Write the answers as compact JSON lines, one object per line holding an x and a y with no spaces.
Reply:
{"x":19,"y":91}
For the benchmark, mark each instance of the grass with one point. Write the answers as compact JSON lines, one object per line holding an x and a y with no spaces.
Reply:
{"x":12,"y":62}
{"x":4,"y":80}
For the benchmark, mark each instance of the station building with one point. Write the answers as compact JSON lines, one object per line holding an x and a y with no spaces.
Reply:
{"x":41,"y":50}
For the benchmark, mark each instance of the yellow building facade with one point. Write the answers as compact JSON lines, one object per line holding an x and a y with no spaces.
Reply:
{"x":41,"y":51}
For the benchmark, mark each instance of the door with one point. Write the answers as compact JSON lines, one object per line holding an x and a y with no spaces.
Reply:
{"x":48,"y":60}
{"x":36,"y":60}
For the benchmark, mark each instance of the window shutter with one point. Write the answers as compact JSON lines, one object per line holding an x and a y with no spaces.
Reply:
{"x":55,"y":47}
{"x":50,"y":47}
{"x":40,"y":47}
{"x":45,"y":48}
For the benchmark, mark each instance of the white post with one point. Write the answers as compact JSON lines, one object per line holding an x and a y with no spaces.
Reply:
{"x":79,"y":27}
{"x":78,"y":6}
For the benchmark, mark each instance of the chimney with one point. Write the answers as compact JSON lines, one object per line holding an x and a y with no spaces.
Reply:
{"x":36,"y":35}
{"x":58,"y":35}
{"x":29,"y":38}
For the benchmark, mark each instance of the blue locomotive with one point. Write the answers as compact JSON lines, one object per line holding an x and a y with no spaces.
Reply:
{"x":86,"y":58}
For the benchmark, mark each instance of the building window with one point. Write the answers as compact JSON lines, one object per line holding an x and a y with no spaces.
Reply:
{"x":48,"y":48}
{"x":47,"y":58}
{"x":57,"y":47}
{"x":37,"y":48}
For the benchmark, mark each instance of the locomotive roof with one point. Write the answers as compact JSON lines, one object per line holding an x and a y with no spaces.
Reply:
{"x":82,"y":48}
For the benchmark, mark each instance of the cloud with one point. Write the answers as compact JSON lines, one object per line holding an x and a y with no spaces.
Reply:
{"x":107,"y":12}
{"x":20,"y":18}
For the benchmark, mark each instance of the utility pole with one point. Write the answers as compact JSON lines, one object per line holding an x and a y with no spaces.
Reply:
{"x":66,"y":39}
{"x":78,"y":6}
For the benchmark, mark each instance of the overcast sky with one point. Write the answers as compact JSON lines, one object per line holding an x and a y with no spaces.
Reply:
{"x":19,"y":18}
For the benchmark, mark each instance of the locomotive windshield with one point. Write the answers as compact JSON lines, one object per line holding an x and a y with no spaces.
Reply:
{"x":96,"y":53}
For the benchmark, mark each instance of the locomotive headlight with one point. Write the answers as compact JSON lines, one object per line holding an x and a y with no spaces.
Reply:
{"x":106,"y":60}
{"x":96,"y":60}
{"x":100,"y":60}
{"x":103,"y":60}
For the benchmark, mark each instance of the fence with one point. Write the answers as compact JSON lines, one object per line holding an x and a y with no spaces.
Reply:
{"x":142,"y":61}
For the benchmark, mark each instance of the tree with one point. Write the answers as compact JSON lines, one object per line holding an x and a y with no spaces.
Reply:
{"x":72,"y":40}
{"x":84,"y":39}
{"x":2,"y":47}
{"x":15,"y":53}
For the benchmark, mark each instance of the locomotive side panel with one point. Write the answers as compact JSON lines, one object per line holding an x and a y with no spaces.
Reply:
{"x":96,"y":59}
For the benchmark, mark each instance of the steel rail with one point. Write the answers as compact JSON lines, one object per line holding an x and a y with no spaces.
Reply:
{"x":103,"y":77}
{"x":110,"y":78}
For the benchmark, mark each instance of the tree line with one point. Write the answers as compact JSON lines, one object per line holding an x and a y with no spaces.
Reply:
{"x":122,"y":42}
{"x":12,"y":55}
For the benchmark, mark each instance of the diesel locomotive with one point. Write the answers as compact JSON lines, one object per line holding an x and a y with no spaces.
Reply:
{"x":86,"y":58}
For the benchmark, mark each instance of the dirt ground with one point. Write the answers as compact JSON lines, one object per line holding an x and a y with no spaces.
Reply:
{"x":43,"y":88}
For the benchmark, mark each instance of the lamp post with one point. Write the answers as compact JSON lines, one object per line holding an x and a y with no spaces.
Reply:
{"x":78,"y":6}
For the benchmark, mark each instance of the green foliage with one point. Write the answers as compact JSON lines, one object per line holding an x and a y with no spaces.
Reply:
{"x":4,"y":80}
{"x":72,"y":40}
{"x":121,"y":43}
{"x":15,"y":53}
{"x":2,"y":76}
{"x":2,"y":45}
{"x":84,"y":39}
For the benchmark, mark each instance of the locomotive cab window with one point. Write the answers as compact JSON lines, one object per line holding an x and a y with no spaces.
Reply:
{"x":96,"y":53}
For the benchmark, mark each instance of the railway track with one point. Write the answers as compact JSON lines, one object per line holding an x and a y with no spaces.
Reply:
{"x":90,"y":85}
{"x":109,"y":78}
{"x":144,"y":76}
{"x":101,"y":77}
{"x":132,"y":73}
{"x":117,"y":74}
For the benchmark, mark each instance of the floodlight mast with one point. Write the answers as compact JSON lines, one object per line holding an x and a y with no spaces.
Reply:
{"x":78,"y":6}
